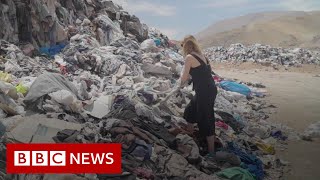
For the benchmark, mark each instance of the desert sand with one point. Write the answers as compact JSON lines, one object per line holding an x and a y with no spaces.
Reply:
{"x":296,"y":94}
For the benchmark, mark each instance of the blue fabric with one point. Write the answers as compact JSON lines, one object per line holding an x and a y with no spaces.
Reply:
{"x":258,"y":94}
{"x":248,"y":161}
{"x":143,"y":150}
{"x":52,"y":50}
{"x":157,"y":41}
{"x":239,"y":119}
{"x":235,"y":87}
{"x":278,"y":135}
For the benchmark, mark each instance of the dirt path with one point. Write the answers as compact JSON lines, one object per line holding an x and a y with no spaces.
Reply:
{"x":297,"y":96}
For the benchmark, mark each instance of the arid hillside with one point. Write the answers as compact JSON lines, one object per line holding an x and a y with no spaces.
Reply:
{"x":285,"y":29}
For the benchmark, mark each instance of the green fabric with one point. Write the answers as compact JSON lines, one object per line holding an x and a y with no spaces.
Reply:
{"x":236,"y":173}
{"x":211,"y":154}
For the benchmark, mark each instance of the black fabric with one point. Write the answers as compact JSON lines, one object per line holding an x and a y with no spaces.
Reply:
{"x":190,"y":111}
{"x":66,"y":136}
{"x":231,"y":121}
{"x":159,"y":131}
{"x":205,"y":114}
{"x":206,"y":92}
{"x":126,"y":114}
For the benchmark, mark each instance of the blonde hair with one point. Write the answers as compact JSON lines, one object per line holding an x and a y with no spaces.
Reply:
{"x":189,"y":45}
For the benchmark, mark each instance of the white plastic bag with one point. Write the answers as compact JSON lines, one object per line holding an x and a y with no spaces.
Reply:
{"x":313,"y":130}
{"x":68,"y":99}
{"x":148,"y":45}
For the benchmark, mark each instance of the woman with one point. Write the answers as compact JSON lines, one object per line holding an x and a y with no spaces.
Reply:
{"x":199,"y":68}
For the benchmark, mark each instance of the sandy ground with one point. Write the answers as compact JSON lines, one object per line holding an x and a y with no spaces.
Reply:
{"x":296,"y":93}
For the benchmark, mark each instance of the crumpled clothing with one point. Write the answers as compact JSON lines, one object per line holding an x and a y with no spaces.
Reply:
{"x":126,"y":43}
{"x":222,"y":103}
{"x":52,"y":50}
{"x":66,"y":136}
{"x":142,"y":150}
{"x":5,"y":77}
{"x":111,"y":63}
{"x":174,"y":165}
{"x":230,"y":158}
{"x":249,"y":161}
{"x":125,"y":128}
{"x":206,"y":177}
{"x":62,"y":177}
{"x":160,"y":132}
{"x":135,"y":28}
{"x":147,"y":98}
{"x":266,"y":148}
{"x":106,"y":125}
{"x":221,"y":125}
{"x":2,"y":127}
{"x":144,"y":173}
{"x":231,"y":121}
{"x":90,"y":134}
{"x":189,"y":142}
{"x":124,"y":176}
{"x":156,"y":70}
{"x":8,"y":89}
{"x":146,"y":111}
{"x":258,"y":130}
{"x":22,"y":89}
{"x":9,"y":106}
{"x":126,"y":141}
{"x":278,"y":135}
{"x":67,"y":99}
{"x":48,"y":83}
{"x":149,"y":45}
{"x":236,"y":173}
{"x":132,"y":55}
{"x":111,"y":31}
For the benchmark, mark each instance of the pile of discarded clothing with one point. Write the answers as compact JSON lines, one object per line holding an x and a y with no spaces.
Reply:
{"x":108,"y":81}
{"x":46,"y":26}
{"x":263,"y":54}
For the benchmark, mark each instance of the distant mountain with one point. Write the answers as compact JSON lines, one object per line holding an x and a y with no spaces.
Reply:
{"x":285,"y":29}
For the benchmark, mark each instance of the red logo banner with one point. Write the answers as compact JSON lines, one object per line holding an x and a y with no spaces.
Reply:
{"x":64,"y":158}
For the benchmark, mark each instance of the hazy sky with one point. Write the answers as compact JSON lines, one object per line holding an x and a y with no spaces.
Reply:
{"x":177,"y":18}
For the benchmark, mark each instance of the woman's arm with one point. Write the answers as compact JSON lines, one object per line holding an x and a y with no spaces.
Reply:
{"x":185,"y":75}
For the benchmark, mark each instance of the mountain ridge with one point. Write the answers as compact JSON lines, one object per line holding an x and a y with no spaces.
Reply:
{"x":287,"y":29}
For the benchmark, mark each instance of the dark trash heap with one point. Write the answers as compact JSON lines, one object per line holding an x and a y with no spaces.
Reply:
{"x":263,"y":54}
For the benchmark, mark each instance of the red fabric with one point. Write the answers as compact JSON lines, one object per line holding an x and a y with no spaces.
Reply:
{"x":222,"y":125}
{"x":63,"y":69}
{"x":171,"y":44}
{"x":217,"y":78}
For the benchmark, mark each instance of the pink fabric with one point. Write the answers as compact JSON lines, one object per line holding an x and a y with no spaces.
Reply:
{"x":222,"y":125}
{"x":217,"y":78}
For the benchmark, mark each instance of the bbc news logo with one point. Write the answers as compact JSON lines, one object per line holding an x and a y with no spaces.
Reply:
{"x":64,"y":158}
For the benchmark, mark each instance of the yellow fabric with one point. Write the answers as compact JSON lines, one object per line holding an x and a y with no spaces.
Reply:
{"x":5,"y":77}
{"x":22,"y":89}
{"x":266,"y":148}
